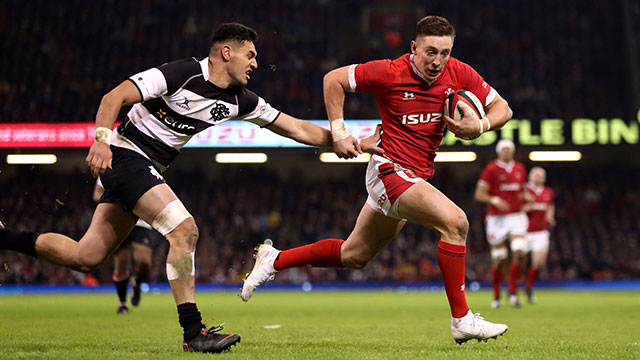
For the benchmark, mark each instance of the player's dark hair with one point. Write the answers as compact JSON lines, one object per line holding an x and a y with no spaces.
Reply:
{"x":234,"y":31}
{"x":434,"y":26}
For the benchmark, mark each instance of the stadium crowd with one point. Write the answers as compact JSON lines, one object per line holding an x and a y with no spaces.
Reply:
{"x":61,"y":58}
{"x":597,"y":235}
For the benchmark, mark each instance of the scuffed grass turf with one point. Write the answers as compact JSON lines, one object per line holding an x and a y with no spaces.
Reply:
{"x":322,"y":325}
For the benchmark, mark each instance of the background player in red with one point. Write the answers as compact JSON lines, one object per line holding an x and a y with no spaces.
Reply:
{"x":541,"y":214}
{"x":501,"y":185}
{"x":410,"y":92}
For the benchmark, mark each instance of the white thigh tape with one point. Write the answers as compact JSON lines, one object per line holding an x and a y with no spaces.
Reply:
{"x":170,"y":217}
{"x":182,"y":268}
{"x":519,"y":244}
{"x":500,"y":253}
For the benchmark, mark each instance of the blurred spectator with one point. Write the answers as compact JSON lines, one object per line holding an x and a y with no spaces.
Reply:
{"x":59,"y":58}
{"x":235,"y":213}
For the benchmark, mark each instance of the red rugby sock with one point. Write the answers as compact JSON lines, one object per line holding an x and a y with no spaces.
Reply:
{"x":533,"y":274}
{"x":324,"y":253}
{"x":515,"y":271}
{"x":496,"y":277}
{"x":451,"y":263}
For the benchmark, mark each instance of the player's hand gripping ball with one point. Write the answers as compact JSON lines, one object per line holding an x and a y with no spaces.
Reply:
{"x":455,"y":101}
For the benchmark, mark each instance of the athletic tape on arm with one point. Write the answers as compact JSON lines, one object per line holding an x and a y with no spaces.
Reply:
{"x":170,"y":217}
{"x":182,"y":268}
{"x":103,"y":134}
{"x":338,"y":130}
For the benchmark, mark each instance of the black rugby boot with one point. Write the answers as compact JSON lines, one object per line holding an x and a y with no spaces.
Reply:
{"x":209,"y":341}
{"x":135,"y":299}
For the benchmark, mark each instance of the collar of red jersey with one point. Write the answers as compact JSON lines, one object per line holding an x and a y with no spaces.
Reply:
{"x":536,"y":189}
{"x":415,"y":70}
{"x":507,"y":166}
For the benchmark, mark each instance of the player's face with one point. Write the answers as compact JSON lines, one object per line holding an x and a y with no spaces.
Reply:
{"x":537,"y":176}
{"x":505,"y":154}
{"x":242,"y":62}
{"x":430,"y":54}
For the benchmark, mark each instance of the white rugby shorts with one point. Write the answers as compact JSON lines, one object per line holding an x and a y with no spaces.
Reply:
{"x":386,"y":181}
{"x":500,"y":227}
{"x":538,"y":241}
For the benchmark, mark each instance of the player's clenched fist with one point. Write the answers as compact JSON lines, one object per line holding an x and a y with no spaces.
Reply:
{"x":347,"y":148}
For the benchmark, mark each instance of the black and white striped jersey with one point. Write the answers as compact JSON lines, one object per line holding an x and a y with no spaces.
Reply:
{"x":178,"y":102}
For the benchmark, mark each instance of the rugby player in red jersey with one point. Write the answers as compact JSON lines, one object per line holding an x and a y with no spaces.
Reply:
{"x":410,"y":92}
{"x":541,"y":214}
{"x":501,"y":186}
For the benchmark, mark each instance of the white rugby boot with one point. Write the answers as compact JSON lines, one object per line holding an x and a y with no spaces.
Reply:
{"x":514,"y":301}
{"x":496,"y":303}
{"x":530,"y":297}
{"x":474,"y":326}
{"x":262,"y":270}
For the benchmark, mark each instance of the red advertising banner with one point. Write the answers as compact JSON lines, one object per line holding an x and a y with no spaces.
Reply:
{"x":46,"y":135}
{"x":230,"y":134}
{"x":242,"y":134}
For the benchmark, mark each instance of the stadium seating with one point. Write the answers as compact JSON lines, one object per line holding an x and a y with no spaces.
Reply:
{"x":62,"y":58}
{"x":596,"y":237}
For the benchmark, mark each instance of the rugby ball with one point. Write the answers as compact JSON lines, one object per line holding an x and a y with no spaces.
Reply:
{"x":453,"y":103}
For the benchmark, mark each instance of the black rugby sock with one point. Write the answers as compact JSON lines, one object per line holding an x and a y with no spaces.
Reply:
{"x":121,"y":289}
{"x":20,"y":241}
{"x":142,"y":275}
{"x":190,"y":320}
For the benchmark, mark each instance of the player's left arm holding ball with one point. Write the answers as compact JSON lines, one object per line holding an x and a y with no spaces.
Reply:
{"x":471,"y":126}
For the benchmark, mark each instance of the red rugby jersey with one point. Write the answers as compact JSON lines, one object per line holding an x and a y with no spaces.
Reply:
{"x":411,"y":109}
{"x":505,"y":181}
{"x":543,"y":199}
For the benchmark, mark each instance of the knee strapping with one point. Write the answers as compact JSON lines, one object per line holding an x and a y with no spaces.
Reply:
{"x":500,"y":253}
{"x":170,"y":217}
{"x":182,"y":268}
{"x":518,"y":244}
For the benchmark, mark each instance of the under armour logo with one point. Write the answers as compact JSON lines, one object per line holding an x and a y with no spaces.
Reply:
{"x":448,"y":91}
{"x":155,"y":172}
{"x":462,"y":287}
{"x":409,"y":96}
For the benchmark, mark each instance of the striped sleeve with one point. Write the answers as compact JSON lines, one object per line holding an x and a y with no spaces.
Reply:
{"x":255,"y":109}
{"x":151,"y":83}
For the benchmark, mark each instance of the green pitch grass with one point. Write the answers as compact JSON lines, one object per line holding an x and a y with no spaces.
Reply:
{"x":322,"y":325}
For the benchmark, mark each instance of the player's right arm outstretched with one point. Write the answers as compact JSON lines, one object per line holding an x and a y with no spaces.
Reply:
{"x":308,"y":133}
{"x":99,"y":158}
